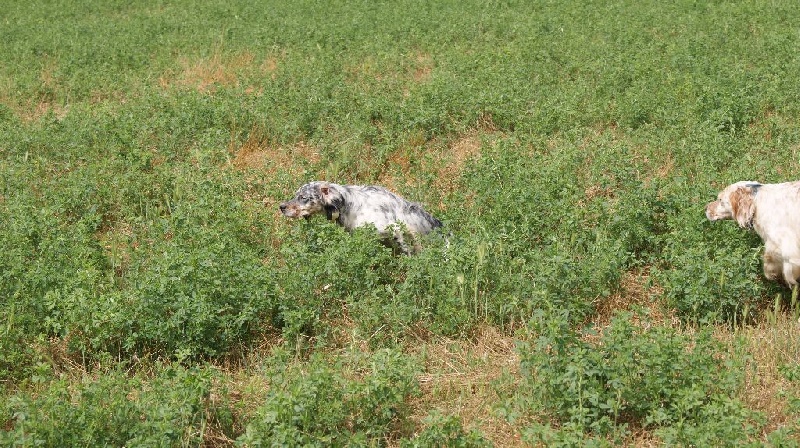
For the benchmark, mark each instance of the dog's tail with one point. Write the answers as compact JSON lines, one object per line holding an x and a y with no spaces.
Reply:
{"x":435,"y":223}
{"x":431,"y":223}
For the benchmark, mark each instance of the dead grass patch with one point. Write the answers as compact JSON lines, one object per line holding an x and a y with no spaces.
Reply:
{"x":771,"y":344}
{"x":460,"y":379}
{"x":261,"y":160}
{"x":423,"y":67}
{"x":636,"y":290}
{"x":270,"y":66}
{"x":242,"y":386}
{"x":446,"y":160}
{"x":643,"y":439}
{"x":207,"y":74}
{"x":651,"y":163}
{"x":33,"y":112}
{"x":258,"y":153}
{"x":415,"y":67}
{"x":99,"y":97}
{"x":48,"y":73}
{"x":453,"y":160}
{"x":666,"y":167}
{"x":33,"y":109}
{"x":397,"y":174}
{"x":263,"y":163}
{"x":117,"y":241}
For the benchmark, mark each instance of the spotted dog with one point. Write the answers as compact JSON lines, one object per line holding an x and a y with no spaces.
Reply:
{"x":354,"y":206}
{"x":773,"y":211}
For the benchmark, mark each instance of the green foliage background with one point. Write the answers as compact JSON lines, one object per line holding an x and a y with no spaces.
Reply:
{"x":130,"y":239}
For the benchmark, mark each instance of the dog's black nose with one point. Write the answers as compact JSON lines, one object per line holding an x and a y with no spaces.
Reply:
{"x":283,"y":207}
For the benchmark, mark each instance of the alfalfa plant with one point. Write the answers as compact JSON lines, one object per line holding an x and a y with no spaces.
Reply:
{"x":171,"y":408}
{"x":711,"y":272}
{"x":349,"y":401}
{"x":633,"y":376}
{"x":445,"y":431}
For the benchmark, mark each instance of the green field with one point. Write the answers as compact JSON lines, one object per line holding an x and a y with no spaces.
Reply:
{"x":151,"y":294}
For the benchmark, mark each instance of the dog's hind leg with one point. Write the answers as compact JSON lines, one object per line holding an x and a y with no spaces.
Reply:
{"x":400,"y":235}
{"x":773,"y":265}
{"x":791,"y":272}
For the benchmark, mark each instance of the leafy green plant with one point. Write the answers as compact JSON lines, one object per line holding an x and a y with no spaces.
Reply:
{"x":443,"y":430}
{"x":43,"y":256}
{"x":196,"y":291}
{"x":328,"y":270}
{"x":712,"y":274}
{"x":318,"y":404}
{"x":170,"y":409}
{"x":632,"y":376}
{"x":787,"y":435}
{"x":564,"y":144}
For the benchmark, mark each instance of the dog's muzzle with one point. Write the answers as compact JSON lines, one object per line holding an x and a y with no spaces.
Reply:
{"x":291,"y":212}
{"x":709,"y":211}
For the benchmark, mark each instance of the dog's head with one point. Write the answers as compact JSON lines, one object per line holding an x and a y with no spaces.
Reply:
{"x":312,"y":198}
{"x":735,"y":202}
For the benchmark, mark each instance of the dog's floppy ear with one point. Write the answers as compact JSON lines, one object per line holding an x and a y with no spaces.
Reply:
{"x":332,"y":201}
{"x":744,"y":208}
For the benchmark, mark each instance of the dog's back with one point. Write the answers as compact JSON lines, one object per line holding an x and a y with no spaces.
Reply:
{"x":371,"y":204}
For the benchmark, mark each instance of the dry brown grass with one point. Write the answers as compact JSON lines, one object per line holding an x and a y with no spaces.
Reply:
{"x":461,"y":377}
{"x":263,"y":164}
{"x":257,"y":153}
{"x":771,"y":344}
{"x":416,"y":67}
{"x":445,"y":159}
{"x":636,"y":290}
{"x":651,"y":162}
{"x":422,"y":67}
{"x":33,"y":109}
{"x":470,"y":377}
{"x":31,"y":112}
{"x":398,"y":173}
{"x":452,"y":160}
{"x":207,"y":74}
{"x":261,"y":160}
{"x":117,"y":241}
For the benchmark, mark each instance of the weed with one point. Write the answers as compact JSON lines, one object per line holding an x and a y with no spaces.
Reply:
{"x":319,"y":405}
{"x":634,"y":376}
{"x":170,"y":409}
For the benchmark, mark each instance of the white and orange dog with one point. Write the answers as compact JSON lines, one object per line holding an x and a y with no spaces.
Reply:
{"x":354,"y":206}
{"x":773,"y":211}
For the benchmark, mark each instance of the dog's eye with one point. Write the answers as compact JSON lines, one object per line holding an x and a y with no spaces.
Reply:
{"x":303,"y":198}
